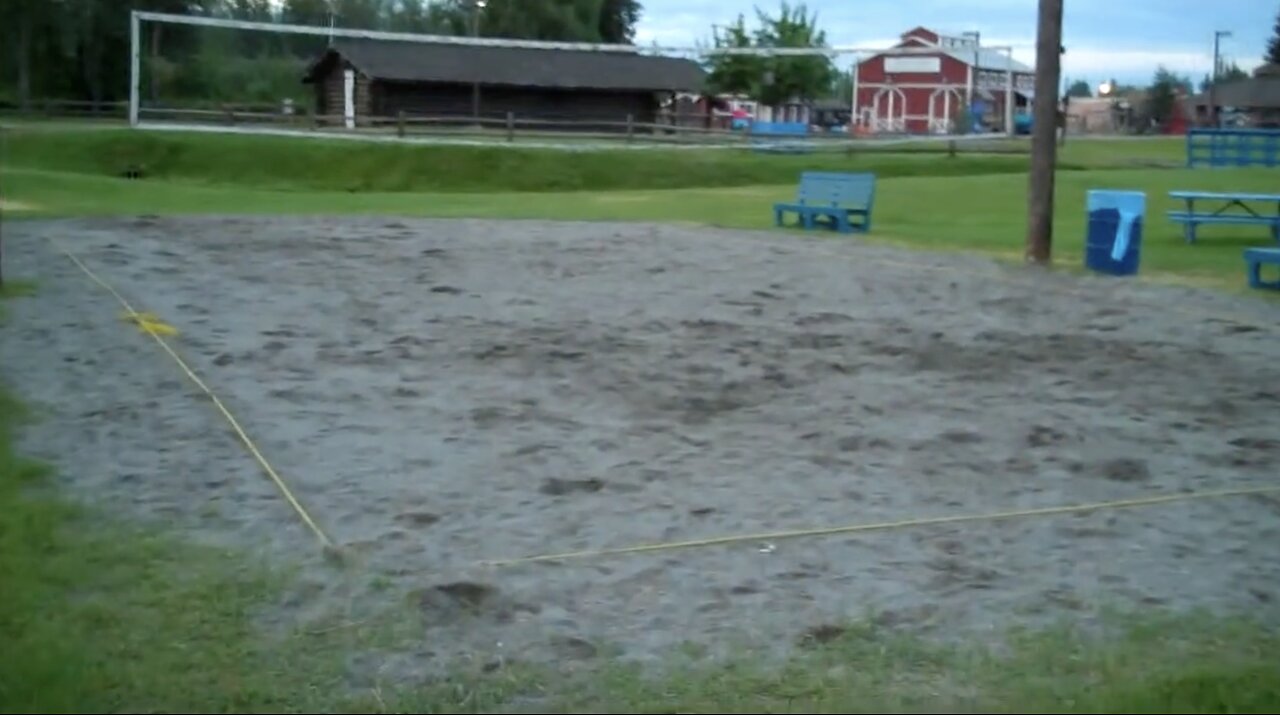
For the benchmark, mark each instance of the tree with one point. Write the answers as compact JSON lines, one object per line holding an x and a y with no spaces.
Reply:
{"x":1079,"y":89}
{"x":788,"y":78}
{"x":1228,"y":73}
{"x":1273,"y":45}
{"x":774,"y":80}
{"x":1163,"y":95}
{"x":306,"y":12}
{"x":618,"y":19}
{"x":734,"y":74}
{"x":22,"y":22}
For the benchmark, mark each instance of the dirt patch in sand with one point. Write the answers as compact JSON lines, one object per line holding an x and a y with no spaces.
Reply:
{"x":444,"y":392}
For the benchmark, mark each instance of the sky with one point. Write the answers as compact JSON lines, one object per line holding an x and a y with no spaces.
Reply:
{"x":1121,"y":39}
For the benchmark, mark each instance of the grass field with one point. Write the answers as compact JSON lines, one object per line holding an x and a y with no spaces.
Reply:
{"x":105,"y":616}
{"x":973,"y":202}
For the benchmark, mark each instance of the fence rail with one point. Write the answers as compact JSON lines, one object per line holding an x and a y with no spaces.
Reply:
{"x":670,"y":129}
{"x":508,"y":126}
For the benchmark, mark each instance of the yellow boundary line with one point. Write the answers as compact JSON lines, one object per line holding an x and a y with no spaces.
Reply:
{"x":882,"y":526}
{"x":148,"y":325}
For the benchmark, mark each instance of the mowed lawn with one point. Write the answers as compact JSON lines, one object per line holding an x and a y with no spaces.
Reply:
{"x":983,"y":213}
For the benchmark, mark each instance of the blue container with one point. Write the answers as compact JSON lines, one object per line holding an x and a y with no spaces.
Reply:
{"x":1113,"y":243}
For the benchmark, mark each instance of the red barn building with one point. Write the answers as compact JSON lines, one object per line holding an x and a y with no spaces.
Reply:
{"x":913,"y":90}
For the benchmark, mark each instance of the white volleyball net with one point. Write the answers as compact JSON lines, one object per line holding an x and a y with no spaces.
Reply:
{"x":259,"y":76}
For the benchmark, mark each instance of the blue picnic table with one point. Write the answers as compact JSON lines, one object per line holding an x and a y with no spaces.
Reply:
{"x":1227,"y":208}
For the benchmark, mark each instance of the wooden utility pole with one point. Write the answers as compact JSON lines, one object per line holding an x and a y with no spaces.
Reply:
{"x":1044,"y":145}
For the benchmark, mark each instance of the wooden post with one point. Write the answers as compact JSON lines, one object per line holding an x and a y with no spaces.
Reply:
{"x":1043,"y":142}
{"x":951,"y":148}
{"x":4,"y":155}
{"x":400,"y":123}
{"x":631,"y":128}
{"x":511,"y":126}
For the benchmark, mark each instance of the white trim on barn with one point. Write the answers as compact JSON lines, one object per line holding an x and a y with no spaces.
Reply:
{"x":950,"y":97}
{"x":894,"y":118}
{"x":911,"y":85}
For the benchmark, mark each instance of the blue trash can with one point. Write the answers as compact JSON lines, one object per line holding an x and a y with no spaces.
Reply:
{"x":1113,"y":243}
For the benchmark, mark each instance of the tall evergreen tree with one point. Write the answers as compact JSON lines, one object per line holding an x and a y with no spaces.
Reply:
{"x":1273,"y":46}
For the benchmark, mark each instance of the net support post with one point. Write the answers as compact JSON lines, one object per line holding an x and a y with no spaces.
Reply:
{"x":1010,"y":130}
{"x":135,"y":65}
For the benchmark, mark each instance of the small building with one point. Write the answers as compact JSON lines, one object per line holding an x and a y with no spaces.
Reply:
{"x":907,"y":89}
{"x":358,"y":79}
{"x":1249,"y":102}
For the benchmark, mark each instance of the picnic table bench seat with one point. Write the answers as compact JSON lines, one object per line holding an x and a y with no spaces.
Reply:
{"x":842,"y":201}
{"x":1255,"y":258}
{"x":1191,"y":218}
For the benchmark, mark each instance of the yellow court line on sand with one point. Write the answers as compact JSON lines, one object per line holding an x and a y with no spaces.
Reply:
{"x":151,"y":326}
{"x":882,"y":526}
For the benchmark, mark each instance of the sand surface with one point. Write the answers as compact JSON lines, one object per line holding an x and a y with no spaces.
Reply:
{"x":440,"y":393}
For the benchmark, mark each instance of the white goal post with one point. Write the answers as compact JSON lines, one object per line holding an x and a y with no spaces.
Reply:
{"x":138,"y":17}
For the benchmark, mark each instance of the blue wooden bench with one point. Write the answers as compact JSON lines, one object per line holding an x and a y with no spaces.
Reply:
{"x":765,"y":137}
{"x":1254,"y":258}
{"x":1245,"y":214}
{"x":838,"y":200}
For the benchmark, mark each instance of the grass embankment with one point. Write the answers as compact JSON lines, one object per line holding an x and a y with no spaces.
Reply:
{"x":293,"y":164}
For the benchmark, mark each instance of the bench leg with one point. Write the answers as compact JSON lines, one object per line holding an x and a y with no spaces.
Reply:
{"x":1255,"y":275}
{"x":1189,"y":229}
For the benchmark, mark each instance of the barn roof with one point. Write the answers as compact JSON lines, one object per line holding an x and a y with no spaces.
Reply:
{"x":987,"y":59}
{"x":512,"y":66}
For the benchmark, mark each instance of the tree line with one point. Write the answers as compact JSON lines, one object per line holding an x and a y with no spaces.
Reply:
{"x":79,"y":49}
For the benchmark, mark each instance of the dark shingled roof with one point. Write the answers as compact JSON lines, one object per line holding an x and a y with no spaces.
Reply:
{"x":513,"y":66}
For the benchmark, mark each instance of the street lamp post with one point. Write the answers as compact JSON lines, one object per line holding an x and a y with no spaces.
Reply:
{"x":1214,"y":116}
{"x":475,"y":32}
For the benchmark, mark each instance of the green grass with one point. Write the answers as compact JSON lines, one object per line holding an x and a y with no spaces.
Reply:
{"x":1148,"y":664}
{"x":97,"y":615}
{"x":978,"y":213}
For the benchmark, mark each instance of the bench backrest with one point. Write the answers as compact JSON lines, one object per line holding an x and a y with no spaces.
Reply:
{"x":780,"y":128}
{"x":827,"y":188}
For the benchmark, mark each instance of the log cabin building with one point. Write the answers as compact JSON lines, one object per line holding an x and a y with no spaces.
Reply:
{"x":356,"y":79}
